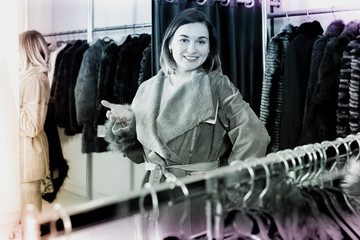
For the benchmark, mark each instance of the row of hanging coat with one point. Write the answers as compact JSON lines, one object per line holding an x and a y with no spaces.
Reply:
{"x":310,"y":84}
{"x":84,"y":74}
{"x":310,"y":192}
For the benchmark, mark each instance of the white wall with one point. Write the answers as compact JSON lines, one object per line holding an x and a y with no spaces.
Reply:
{"x":9,"y":128}
{"x":112,"y":173}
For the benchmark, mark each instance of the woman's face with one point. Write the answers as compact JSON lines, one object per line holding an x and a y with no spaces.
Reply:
{"x":190,"y":46}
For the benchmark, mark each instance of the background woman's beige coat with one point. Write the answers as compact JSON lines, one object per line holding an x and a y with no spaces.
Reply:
{"x":34,"y":148}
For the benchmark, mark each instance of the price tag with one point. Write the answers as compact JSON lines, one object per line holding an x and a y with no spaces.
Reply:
{"x":101,"y":131}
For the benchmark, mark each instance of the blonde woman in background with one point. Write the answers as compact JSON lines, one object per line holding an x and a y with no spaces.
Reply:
{"x":34,"y":97}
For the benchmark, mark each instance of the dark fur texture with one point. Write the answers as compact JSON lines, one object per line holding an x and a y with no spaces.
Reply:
{"x":105,"y":83}
{"x":75,"y":67}
{"x":272,"y":85}
{"x":128,"y":68}
{"x":62,"y":88}
{"x":58,"y":165}
{"x":333,"y":30}
{"x":320,"y":123}
{"x":85,"y":97}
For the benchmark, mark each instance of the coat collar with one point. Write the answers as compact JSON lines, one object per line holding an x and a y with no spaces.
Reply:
{"x":160,"y":122}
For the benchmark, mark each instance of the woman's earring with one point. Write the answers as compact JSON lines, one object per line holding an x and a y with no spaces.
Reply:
{"x":170,"y":50}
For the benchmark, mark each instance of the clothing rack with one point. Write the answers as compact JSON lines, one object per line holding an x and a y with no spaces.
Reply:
{"x":100,"y":29}
{"x":309,"y":12}
{"x":116,"y":207}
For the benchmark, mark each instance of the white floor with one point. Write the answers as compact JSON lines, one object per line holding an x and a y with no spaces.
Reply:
{"x":65,"y":198}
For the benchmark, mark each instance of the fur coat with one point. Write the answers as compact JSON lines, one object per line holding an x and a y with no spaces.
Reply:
{"x":105,"y":82}
{"x":145,"y":69}
{"x":296,"y":75}
{"x":320,"y":123}
{"x":128,"y":68}
{"x":85,"y":97}
{"x":64,"y":89}
{"x":347,"y":112}
{"x":272,"y":85}
{"x":334,"y":30}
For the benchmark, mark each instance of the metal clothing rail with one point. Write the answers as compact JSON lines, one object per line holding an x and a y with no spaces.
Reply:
{"x":100,"y":29}
{"x":116,"y":207}
{"x":309,"y":12}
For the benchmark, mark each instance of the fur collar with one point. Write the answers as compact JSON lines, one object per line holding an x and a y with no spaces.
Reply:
{"x":159,"y":121}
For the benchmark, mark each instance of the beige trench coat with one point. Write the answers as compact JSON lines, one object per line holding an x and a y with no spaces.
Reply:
{"x":34,"y":94}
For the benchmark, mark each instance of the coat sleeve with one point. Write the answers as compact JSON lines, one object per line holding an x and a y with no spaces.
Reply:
{"x":35,"y":93}
{"x":124,"y":139}
{"x":247,"y":133}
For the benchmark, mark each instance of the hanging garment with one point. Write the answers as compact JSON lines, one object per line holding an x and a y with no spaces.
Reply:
{"x":85,"y":97}
{"x":145,"y":65}
{"x":105,"y":82}
{"x":320,"y":123}
{"x":62,"y":90}
{"x":296,"y":75}
{"x":342,"y":110}
{"x":272,"y":85}
{"x":333,"y":30}
{"x":58,"y":165}
{"x":56,"y":68}
{"x":54,"y":48}
{"x":354,"y":88}
{"x":75,"y":68}
{"x":128,"y":68}
{"x":347,"y":112}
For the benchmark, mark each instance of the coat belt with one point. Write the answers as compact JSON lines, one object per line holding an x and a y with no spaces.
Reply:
{"x":158,"y":168}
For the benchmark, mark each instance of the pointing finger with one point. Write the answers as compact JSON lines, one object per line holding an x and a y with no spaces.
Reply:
{"x":107,"y":104}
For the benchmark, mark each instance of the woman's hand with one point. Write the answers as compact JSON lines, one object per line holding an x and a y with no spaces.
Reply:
{"x":118,"y":113}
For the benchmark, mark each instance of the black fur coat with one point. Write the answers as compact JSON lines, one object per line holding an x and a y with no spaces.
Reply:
{"x":320,"y":123}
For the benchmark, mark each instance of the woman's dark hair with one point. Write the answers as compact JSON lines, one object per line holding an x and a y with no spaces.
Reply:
{"x":190,"y":15}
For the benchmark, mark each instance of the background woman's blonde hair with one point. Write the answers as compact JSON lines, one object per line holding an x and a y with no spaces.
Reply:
{"x":33,"y":51}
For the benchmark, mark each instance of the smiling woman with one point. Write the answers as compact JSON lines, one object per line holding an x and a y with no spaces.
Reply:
{"x":189,"y":118}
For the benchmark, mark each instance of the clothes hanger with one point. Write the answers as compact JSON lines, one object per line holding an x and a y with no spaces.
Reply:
{"x":225,"y":3}
{"x":201,"y":2}
{"x":153,"y":215}
{"x":240,"y":220}
{"x":331,"y":201}
{"x":308,"y":15}
{"x":244,"y":216}
{"x":297,"y":165}
{"x":320,"y":204}
{"x":336,"y":194}
{"x":184,"y":224}
{"x":354,"y":139}
{"x":268,"y":227}
{"x":332,"y":12}
{"x":107,"y":39}
{"x":315,"y":151}
{"x":307,"y":165}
